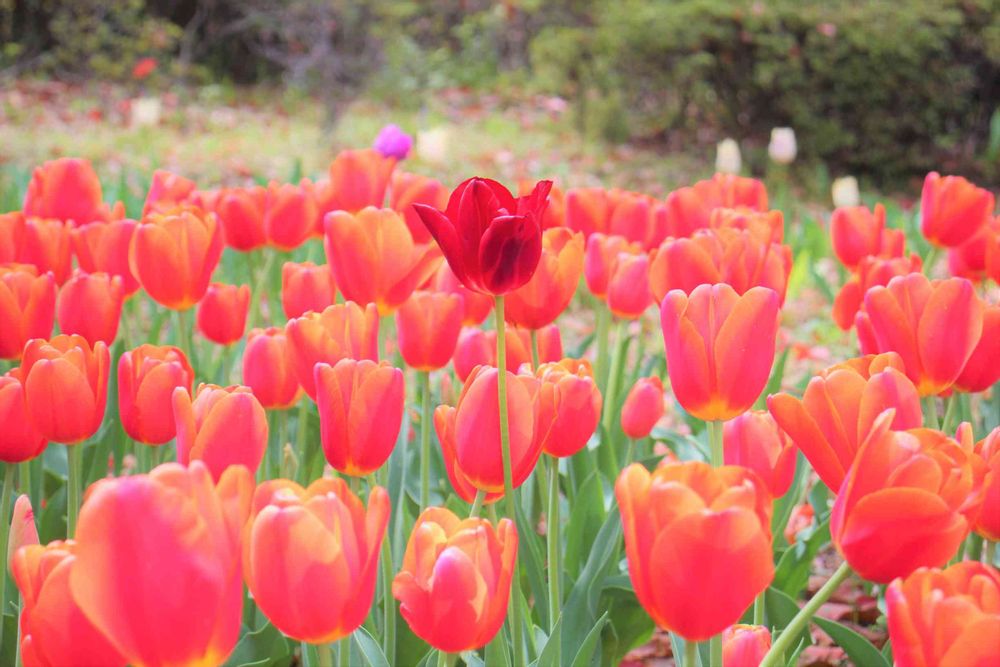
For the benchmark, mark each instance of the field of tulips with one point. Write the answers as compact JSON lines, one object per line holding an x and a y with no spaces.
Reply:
{"x":374,"y":419}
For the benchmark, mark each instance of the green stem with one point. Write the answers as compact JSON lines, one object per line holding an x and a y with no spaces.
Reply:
{"x":991,"y":552}
{"x":388,"y":604}
{"x":508,"y":482}
{"x":324,"y":653}
{"x":715,"y":651}
{"x":975,"y":548}
{"x":690,"y":654}
{"x":74,"y":486}
{"x":715,"y":442}
{"x":143,"y":454}
{"x":344,"y":651}
{"x":534,"y":350}
{"x":253,"y":316}
{"x":629,"y":451}
{"x":948,"y":424}
{"x":425,"y":439}
{"x":184,"y":337}
{"x":552,"y":539}
{"x":477,"y":504}
{"x":300,"y":436}
{"x":930,"y":412}
{"x":8,"y":491}
{"x":614,"y":381}
{"x":758,"y":610}
{"x":442,"y":659}
{"x":790,"y":635}
{"x":931,"y":259}
{"x":603,"y":328}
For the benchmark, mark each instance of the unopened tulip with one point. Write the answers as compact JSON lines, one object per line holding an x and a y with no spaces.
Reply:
{"x":393,"y":142}
{"x":858,"y":232}
{"x":444,"y":426}
{"x":152,"y":550}
{"x":782,"y":148}
{"x":601,"y":258}
{"x":476,"y":307}
{"x":174,"y":254}
{"x":643,"y":407}
{"x":103,"y":247}
{"x":147,"y":377}
{"x":65,"y":386}
{"x":67,"y":190}
{"x":241,"y":212}
{"x":540,"y":301}
{"x":23,"y":531}
{"x":47,"y":247}
{"x":710,"y":333}
{"x":222,"y":427}
{"x":342,"y":331}
{"x":19,"y":439}
{"x":953,"y":210}
{"x":167,"y":191}
{"x":476,"y":347}
{"x":374,"y":259}
{"x":628,"y":289}
{"x":427,"y":327}
{"x":870,"y":272}
{"x":357,"y":179}
{"x":982,"y":370}
{"x":454,"y":586}
{"x":987,"y":522}
{"x":310,"y":556}
{"x":222,"y":313}
{"x":360,"y":412}
{"x":745,"y":645}
{"x":306,"y":287}
{"x":408,"y":189}
{"x":689,"y":517}
{"x":27,"y":307}
{"x":945,"y":617}
{"x":755,"y":441}
{"x":12,"y":229}
{"x":267,"y":369}
{"x":569,"y":406}
{"x":845,"y":192}
{"x":727,"y":157}
{"x":688,"y":209}
{"x":90,"y":304}
{"x":839,"y":408}
{"x":290,"y":214}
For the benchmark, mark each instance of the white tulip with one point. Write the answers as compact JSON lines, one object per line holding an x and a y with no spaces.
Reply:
{"x":845,"y":192}
{"x":727,"y":157}
{"x":782,"y":148}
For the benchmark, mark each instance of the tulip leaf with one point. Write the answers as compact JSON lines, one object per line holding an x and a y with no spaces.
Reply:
{"x":858,"y":649}
{"x":369,"y":648}
{"x":585,"y":519}
{"x":498,"y":650}
{"x":472,"y":659}
{"x":7,"y":647}
{"x":781,"y":609}
{"x":530,"y":553}
{"x":588,"y":654}
{"x":547,"y":656}
{"x":792,"y":573}
{"x":628,"y":626}
{"x":773,"y":382}
{"x":266,"y":646}
{"x":887,"y":651}
{"x":784,"y":505}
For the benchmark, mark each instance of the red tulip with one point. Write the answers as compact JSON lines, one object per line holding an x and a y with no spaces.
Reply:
{"x":167,"y":191}
{"x":357,"y":179}
{"x":982,"y":370}
{"x":745,"y":645}
{"x":991,"y":255}
{"x":267,"y":369}
{"x":290,"y":215}
{"x":12,"y":230}
{"x":27,"y":307}
{"x":628,"y":289}
{"x":241,"y":212}
{"x":147,"y":377}
{"x":479,"y":348}
{"x":342,"y":331}
{"x":871,"y":272}
{"x":444,"y":426}
{"x":969,"y":259}
{"x":987,"y":522}
{"x":306,"y":287}
{"x":601,"y":258}
{"x":67,"y":190}
{"x":555,"y":212}
{"x":689,"y":208}
{"x":103,"y":247}
{"x":754,"y":440}
{"x":588,"y":210}
{"x":19,"y":439}
{"x":953,"y":210}
{"x":90,"y":304}
{"x":541,"y":300}
{"x":476,"y":307}
{"x":858,"y":233}
{"x":569,"y":406}
{"x":408,"y":189}
{"x":427,"y":328}
{"x":46,"y":245}
{"x":222,"y":313}
{"x":643,"y":407}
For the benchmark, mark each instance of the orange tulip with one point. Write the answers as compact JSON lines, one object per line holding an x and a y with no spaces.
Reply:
{"x":173,"y":255}
{"x":267,"y":369}
{"x":167,"y":191}
{"x":455,"y":583}
{"x":46,"y":246}
{"x":987,"y":523}
{"x":290,"y":214}
{"x":479,"y":348}
{"x":689,"y":517}
{"x":934,"y":326}
{"x":102,"y":247}
{"x":374,"y":259}
{"x":839,"y":408}
{"x":360,"y":412}
{"x":54,"y":630}
{"x":569,"y":406}
{"x":67,"y":190}
{"x":90,"y":304}
{"x":222,"y":427}
{"x":342,"y":331}
{"x":357,"y":179}
{"x":65,"y":386}
{"x":953,"y":210}
{"x":19,"y":439}
{"x":689,"y":208}
{"x":945,"y":617}
{"x":858,"y":233}
{"x":157,"y":566}
{"x":475,"y":424}
{"x":222,"y":313}
{"x":310,"y":556}
{"x":241,"y":213}
{"x":601,"y":258}
{"x":905,"y":503}
{"x":643,"y":407}
{"x":475,"y":306}
{"x":764,"y":226}
{"x":754,"y":440}
{"x":540,"y":301}
{"x":27,"y":307}
{"x":427,"y":327}
{"x":588,"y":210}
{"x":408,"y":189}
{"x":12,"y":230}
{"x":710,"y":333}
{"x":147,"y":377}
{"x":631,"y":215}
{"x":745,"y":645}
{"x":306,"y":287}
{"x":801,"y":518}
{"x":982,"y":370}
{"x":870,"y":272}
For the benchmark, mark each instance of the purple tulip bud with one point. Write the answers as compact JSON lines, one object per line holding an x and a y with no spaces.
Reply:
{"x":393,"y":142}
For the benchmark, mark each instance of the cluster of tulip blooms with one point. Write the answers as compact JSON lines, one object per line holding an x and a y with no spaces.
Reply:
{"x":218,"y":513}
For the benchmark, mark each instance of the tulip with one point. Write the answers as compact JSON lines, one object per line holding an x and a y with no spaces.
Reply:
{"x":392,"y":142}
{"x":267,"y":369}
{"x":634,"y":216}
{"x":90,"y":304}
{"x":342,"y":331}
{"x":19,"y":439}
{"x":427,"y":327}
{"x":310,"y":556}
{"x":870,"y":272}
{"x":222,"y":427}
{"x":444,"y":426}
{"x":601,"y":259}
{"x":374,"y":259}
{"x":152,"y":550}
{"x":12,"y":230}
{"x":689,"y":517}
{"x":174,"y":254}
{"x":540,"y":301}
{"x":360,"y":412}
{"x":241,"y":213}
{"x":54,"y":629}
{"x":628,"y":289}
{"x":643,"y":407}
{"x":727,"y":157}
{"x":839,"y":408}
{"x":987,"y":523}
{"x":492,"y":240}
{"x":555,"y":212}
{"x":745,"y":645}
{"x":782,"y":149}
{"x":456,"y":579}
{"x":222,"y":313}
{"x":306,"y":287}
{"x":147,"y":378}
{"x":953,"y":210}
{"x":569,"y":406}
{"x":934,"y":326}
{"x":67,"y":190}
{"x":858,"y":233}
{"x":991,"y":255}
{"x":476,"y":347}
{"x":290,"y":214}
{"x":22,"y":528}
{"x":65,"y":386}
{"x":969,"y":259}
{"x":755,"y":441}
{"x":408,"y":189}
{"x":707,"y":335}
{"x":476,"y":307}
{"x":845,"y":192}
{"x":982,"y":370}
{"x":27,"y":307}
{"x":688,"y":209}
{"x":357,"y":179}
{"x":800,"y":518}
{"x":46,"y":246}
{"x":588,"y":211}
{"x":765,"y":226}
{"x":905,"y":503}
{"x":475,"y":424}
{"x":945,"y":617}
{"x":102,"y":247}
{"x":167,"y":191}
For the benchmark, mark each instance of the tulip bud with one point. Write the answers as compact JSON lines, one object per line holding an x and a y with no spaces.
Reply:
{"x":90,"y":304}
{"x":290,"y":214}
{"x":727,"y":157}
{"x":782,"y":148}
{"x":745,"y":645}
{"x":222,"y":313}
{"x":167,"y":191}
{"x":392,"y":142}
{"x":356,"y":179}
{"x":103,"y":247}
{"x":147,"y":378}
{"x":643,"y":407}
{"x":67,"y":190}
{"x":267,"y":369}
{"x":241,"y":212}
{"x":22,"y":528}
{"x":755,"y":441}
{"x":953,"y":210}
{"x":569,"y":405}
{"x":845,"y":192}
{"x":306,"y":287}
{"x":46,"y":246}
{"x":19,"y":439}
{"x":427,"y":326}
{"x":27,"y":307}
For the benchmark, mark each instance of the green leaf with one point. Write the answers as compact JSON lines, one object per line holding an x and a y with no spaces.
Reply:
{"x":580,"y":611}
{"x":266,"y":646}
{"x":629,"y":626}
{"x":781,"y":609}
{"x":774,"y":382}
{"x":588,"y":649}
{"x":858,"y":649}
{"x":792,"y":573}
{"x":586,"y":516}
{"x":472,"y":659}
{"x":369,"y":648}
{"x":498,"y":650}
{"x":547,"y":656}
{"x":784,"y":505}
{"x":530,"y":551}
{"x":887,"y":651}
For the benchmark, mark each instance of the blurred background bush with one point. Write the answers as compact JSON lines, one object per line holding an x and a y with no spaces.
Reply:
{"x":887,"y":89}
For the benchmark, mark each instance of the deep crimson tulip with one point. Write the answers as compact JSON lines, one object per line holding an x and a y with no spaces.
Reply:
{"x":102,"y":247}
{"x":987,"y":522}
{"x":857,"y":233}
{"x":310,"y":556}
{"x":19,"y":439}
{"x":147,"y":377}
{"x":476,"y":347}
{"x":953,"y":210}
{"x":541,"y":300}
{"x":290,"y":215}
{"x":601,"y":258}
{"x":491,"y":239}
{"x":241,"y":212}
{"x":342,"y":331}
{"x":710,"y":333}
{"x":174,"y":254}
{"x":643,"y":407}
{"x":870,"y":272}
{"x":934,"y":326}
{"x":67,"y":190}
{"x":689,"y":208}
{"x":65,"y":386}
{"x":982,"y":370}
{"x":222,"y":313}
{"x":454,"y":586}
{"x":27,"y":307}
{"x":222,"y":427}
{"x":755,"y":441}
{"x":267,"y":369}
{"x":356,"y":179}
{"x":408,"y":189}
{"x":306,"y":287}
{"x":90,"y":304}
{"x":476,"y":306}
{"x":765,"y":226}
{"x":569,"y":406}
{"x":555,"y":212}
{"x":427,"y":328}
{"x":167,"y":191}
{"x":690,"y":517}
{"x":360,"y":407}
{"x":745,"y":645}
{"x":46,"y":245}
{"x":152,"y":550}
{"x":628,"y":289}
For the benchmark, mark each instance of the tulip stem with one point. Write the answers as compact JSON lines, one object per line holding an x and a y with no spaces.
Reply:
{"x":715,"y":651}
{"x":477,"y":504}
{"x":300,"y":436}
{"x":344,"y":651}
{"x":614,"y":380}
{"x":789,"y":637}
{"x":603,"y":324}
{"x":991,"y":552}
{"x":184,"y":339}
{"x":534,"y":350}
{"x":8,"y":490}
{"x":629,"y":451}
{"x":931,"y":259}
{"x":445,"y":659}
{"x":425,"y":439}
{"x":715,"y":442}
{"x":758,"y":610}
{"x":552,"y":539}
{"x":690,"y":653}
{"x":508,"y":477}
{"x":930,"y":412}
{"x":388,"y":605}
{"x":74,"y":472}
{"x":948,"y":424}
